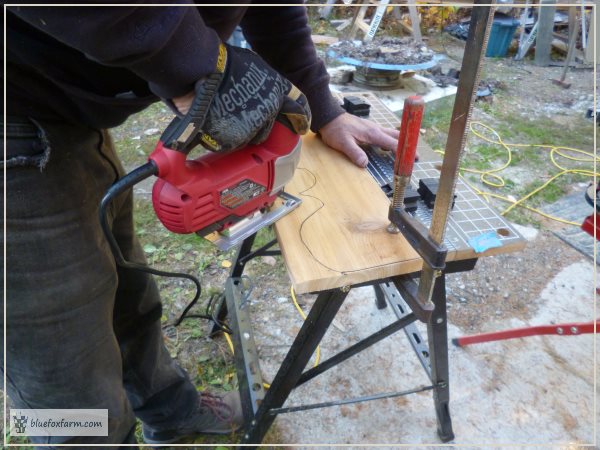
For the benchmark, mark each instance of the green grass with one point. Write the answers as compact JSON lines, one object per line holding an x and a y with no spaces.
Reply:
{"x":509,"y":184}
{"x":436,"y":120}
{"x":545,"y":131}
{"x":131,"y":143}
{"x":485,"y":106}
{"x":549,"y":194}
{"x":217,"y":375}
{"x":484,"y":157}
{"x":263,"y":237}
{"x":437,"y":114}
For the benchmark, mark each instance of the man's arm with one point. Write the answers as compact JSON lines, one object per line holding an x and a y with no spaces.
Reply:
{"x":171,"y":48}
{"x":177,"y":55}
{"x":282,"y":36}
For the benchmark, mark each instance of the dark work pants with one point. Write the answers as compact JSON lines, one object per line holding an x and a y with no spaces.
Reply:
{"x":81,"y":333}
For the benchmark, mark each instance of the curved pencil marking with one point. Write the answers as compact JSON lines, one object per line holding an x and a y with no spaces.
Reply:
{"x":307,"y":218}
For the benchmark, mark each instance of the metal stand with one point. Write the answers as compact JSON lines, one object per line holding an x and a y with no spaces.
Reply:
{"x":261,"y":407}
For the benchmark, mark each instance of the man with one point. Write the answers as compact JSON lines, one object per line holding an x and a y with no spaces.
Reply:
{"x":81,"y":332}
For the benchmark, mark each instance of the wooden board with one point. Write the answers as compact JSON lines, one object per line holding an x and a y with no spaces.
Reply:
{"x":338,"y":236}
{"x":320,"y":39}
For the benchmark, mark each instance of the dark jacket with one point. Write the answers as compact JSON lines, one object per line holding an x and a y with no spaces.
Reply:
{"x":97,"y":65}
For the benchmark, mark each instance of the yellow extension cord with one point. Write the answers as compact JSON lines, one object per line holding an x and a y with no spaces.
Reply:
{"x":318,"y":352}
{"x":491,"y":178}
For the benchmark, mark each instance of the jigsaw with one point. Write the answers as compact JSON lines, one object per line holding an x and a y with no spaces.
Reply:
{"x":225,"y":197}
{"x":222,"y":196}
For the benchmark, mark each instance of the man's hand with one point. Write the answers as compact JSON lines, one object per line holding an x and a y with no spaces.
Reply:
{"x":345,"y":132}
{"x":184,"y":103}
{"x":248,"y":98}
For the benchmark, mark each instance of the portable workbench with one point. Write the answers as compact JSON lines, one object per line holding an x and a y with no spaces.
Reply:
{"x":335,"y":241}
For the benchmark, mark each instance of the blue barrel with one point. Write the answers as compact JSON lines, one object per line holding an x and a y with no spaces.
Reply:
{"x":501,"y":35}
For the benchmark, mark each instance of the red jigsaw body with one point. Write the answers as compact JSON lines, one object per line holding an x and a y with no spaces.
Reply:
{"x":216,"y":190}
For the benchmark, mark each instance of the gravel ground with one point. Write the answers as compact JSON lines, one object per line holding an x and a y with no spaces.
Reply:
{"x":506,"y":285}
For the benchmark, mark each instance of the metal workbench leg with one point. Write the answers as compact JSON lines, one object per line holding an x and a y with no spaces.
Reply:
{"x":237,"y":269}
{"x":319,"y":318}
{"x":380,"y":301}
{"x":437,"y":331}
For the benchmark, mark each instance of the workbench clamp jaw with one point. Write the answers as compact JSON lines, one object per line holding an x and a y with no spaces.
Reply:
{"x":418,"y":237}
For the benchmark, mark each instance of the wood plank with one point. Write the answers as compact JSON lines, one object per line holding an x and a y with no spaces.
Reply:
{"x":592,"y":47}
{"x":543,"y":41}
{"x":338,"y":235}
{"x":415,"y":22}
{"x":320,"y":39}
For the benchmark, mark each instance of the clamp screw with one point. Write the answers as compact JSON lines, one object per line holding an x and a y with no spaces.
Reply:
{"x":253,"y":423}
{"x":559,"y":330}
{"x":246,"y":436}
{"x":345,"y":289}
{"x":392,"y":229}
{"x":439,"y":320}
{"x":574,"y":330}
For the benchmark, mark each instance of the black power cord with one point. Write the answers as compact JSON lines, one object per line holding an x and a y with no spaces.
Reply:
{"x":128,"y":181}
{"x":209,"y":313}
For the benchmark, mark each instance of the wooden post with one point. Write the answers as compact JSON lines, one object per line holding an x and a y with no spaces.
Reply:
{"x":326,"y":10}
{"x":572,"y":20}
{"x":543,"y":44}
{"x":592,"y":47}
{"x":415,"y":22}
{"x":359,"y":15}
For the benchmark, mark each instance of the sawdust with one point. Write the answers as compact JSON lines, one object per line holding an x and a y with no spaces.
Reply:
{"x":400,"y":401}
{"x":564,"y":364}
{"x":345,"y":411}
{"x":385,"y":50}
